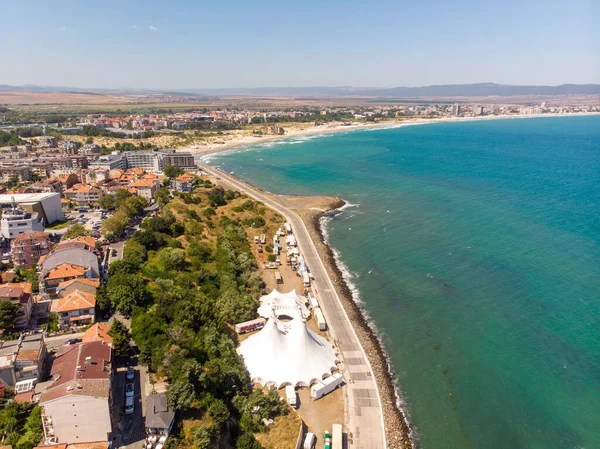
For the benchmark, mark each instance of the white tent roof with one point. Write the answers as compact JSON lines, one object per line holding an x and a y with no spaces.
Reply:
{"x":290,"y":304}
{"x":289,"y":352}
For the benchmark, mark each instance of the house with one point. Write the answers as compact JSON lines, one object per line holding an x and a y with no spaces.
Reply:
{"x":22,"y":360}
{"x":84,"y":194}
{"x":98,"y":332}
{"x":68,"y":255}
{"x":146,"y":188}
{"x":78,"y":401}
{"x":76,"y":308}
{"x":27,"y":248}
{"x":83,"y":284}
{"x":159,"y":418}
{"x":183,"y":183}
{"x":48,"y":186}
{"x":20,"y":294}
{"x":64,"y":272}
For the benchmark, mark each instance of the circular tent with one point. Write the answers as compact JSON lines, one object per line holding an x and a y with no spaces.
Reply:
{"x":286,"y":353}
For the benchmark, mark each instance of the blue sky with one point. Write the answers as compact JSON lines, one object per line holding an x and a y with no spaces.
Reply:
{"x":187,"y":44}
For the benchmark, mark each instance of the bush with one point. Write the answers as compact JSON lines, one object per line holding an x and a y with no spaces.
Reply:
{"x":257,"y":222}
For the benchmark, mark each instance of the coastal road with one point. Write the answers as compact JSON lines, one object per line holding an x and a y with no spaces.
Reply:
{"x":363,"y":413}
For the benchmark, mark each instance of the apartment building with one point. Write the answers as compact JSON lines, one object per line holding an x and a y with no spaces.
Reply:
{"x":84,"y":194}
{"x":28,"y":247}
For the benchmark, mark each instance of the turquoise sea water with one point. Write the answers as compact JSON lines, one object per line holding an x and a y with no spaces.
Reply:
{"x":475,"y":247}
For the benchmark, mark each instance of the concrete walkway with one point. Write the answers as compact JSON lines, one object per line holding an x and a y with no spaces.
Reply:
{"x":364,"y":417}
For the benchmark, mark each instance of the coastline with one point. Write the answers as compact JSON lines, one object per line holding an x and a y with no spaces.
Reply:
{"x":337,"y":127}
{"x":397,"y":426}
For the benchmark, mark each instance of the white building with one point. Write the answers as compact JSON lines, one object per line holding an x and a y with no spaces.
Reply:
{"x":18,"y":221}
{"x":47,"y":205}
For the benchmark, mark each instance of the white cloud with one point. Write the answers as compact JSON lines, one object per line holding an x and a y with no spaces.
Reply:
{"x":62,"y":29}
{"x":133,"y":27}
{"x":152,"y":28}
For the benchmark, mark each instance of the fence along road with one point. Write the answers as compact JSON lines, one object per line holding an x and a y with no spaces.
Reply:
{"x":363,"y":412}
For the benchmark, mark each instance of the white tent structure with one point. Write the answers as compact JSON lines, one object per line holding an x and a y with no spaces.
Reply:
{"x":282,"y":302}
{"x":286,"y":352}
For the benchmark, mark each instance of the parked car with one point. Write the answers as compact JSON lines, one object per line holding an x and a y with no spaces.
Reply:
{"x":72,"y":341}
{"x":130,"y":373}
{"x":129,"y":390}
{"x":129,"y":405}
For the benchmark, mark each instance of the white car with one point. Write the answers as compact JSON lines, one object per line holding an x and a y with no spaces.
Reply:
{"x":129,"y":390}
{"x":130,"y":371}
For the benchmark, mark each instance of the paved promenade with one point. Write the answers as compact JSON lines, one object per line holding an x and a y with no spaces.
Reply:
{"x":364,"y":418}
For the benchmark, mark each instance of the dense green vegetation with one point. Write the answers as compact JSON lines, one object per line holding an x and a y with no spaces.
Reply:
{"x":128,"y":209}
{"x":8,"y":316}
{"x":309,"y":116}
{"x":20,"y":425}
{"x":9,"y":139}
{"x":186,"y":277}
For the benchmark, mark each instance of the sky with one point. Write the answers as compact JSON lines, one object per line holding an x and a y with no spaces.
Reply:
{"x":218,"y":44}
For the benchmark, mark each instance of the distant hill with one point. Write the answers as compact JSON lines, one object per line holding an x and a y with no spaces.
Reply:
{"x":483,"y":90}
{"x":447,"y":90}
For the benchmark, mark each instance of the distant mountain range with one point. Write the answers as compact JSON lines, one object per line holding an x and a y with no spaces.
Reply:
{"x":447,"y":90}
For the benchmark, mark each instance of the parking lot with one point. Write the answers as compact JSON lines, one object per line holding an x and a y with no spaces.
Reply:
{"x":92,"y":220}
{"x":130,"y":427}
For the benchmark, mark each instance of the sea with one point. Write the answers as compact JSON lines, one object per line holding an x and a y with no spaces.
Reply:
{"x":474,"y":249}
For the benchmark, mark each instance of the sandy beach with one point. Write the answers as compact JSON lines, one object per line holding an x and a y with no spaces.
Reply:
{"x":240,"y":138}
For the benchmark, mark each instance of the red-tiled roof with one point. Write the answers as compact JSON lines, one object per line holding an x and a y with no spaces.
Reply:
{"x":92,"y":282}
{"x":81,"y":369}
{"x":66,"y":270}
{"x":98,"y":332}
{"x":34,"y":235}
{"x":77,"y":300}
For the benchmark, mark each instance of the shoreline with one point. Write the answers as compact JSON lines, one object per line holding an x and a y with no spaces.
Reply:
{"x":397,"y":427}
{"x":398,"y":433}
{"x":337,"y":127}
{"x":398,"y":430}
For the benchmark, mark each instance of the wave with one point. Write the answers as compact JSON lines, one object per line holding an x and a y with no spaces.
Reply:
{"x":348,"y":276}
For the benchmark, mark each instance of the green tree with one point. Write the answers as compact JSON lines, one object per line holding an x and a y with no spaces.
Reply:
{"x":102,"y":300}
{"x":247,"y":441}
{"x":115,"y":226}
{"x":8,"y":315}
{"x":134,"y":206}
{"x":172,"y":172}
{"x":180,"y":394}
{"x":172,"y":259}
{"x":134,"y":252}
{"x":121,"y":338}
{"x":203,"y":436}
{"x":219,"y":412}
{"x":76,"y":230}
{"x":126,"y":291}
{"x":161,"y":196}
{"x":32,"y":431}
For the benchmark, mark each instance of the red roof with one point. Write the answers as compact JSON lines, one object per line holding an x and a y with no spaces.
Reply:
{"x":77,"y":300}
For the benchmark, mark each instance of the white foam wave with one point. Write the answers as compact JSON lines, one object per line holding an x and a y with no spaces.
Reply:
{"x":348,"y":277}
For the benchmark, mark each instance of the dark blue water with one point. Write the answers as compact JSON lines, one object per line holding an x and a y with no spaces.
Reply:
{"x":475,"y":247}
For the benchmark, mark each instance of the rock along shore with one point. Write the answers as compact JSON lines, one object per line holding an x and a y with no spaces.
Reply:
{"x":397,"y":429}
